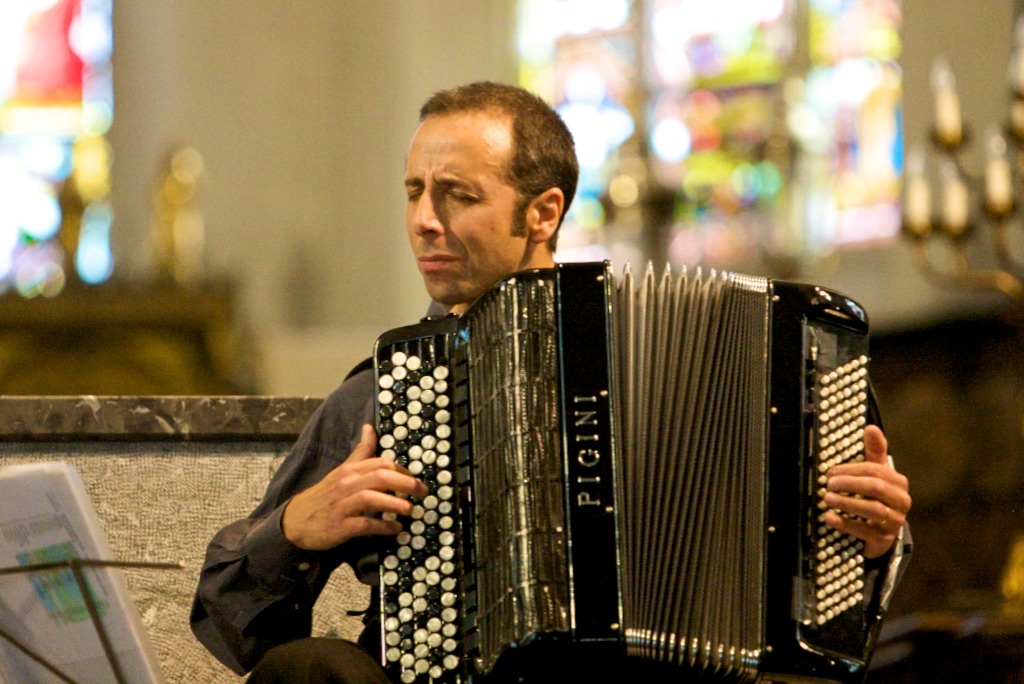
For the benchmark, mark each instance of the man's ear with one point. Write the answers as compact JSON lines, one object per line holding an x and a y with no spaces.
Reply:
{"x":543,"y":214}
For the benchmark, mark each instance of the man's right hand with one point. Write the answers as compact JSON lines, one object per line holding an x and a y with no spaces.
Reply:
{"x":337,"y":508}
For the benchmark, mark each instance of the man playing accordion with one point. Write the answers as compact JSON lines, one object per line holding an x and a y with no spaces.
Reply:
{"x":490,"y":173}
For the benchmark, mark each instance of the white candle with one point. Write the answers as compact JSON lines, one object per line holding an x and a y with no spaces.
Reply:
{"x":948,"y":124}
{"x":954,"y":200}
{"x":1017,"y":58}
{"x":1017,"y":117}
{"x":917,"y":208}
{"x":998,"y":183}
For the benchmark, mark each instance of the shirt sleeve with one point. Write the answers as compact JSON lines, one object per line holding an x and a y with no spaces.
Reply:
{"x":256,"y":589}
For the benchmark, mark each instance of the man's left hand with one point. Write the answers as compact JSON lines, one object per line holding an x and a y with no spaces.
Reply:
{"x":868,"y":499}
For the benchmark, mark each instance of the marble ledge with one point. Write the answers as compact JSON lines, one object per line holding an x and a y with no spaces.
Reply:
{"x":147,"y":418}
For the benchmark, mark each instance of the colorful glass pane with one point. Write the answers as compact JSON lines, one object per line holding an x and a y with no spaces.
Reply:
{"x":706,"y":135}
{"x":56,"y":106}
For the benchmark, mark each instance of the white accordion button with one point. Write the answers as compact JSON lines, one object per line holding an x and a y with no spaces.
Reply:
{"x":441,"y":372}
{"x":386,"y":382}
{"x":398,"y":358}
{"x":385,"y":397}
{"x":413,"y":363}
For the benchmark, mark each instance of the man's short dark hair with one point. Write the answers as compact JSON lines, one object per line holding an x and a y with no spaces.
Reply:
{"x":543,"y":153}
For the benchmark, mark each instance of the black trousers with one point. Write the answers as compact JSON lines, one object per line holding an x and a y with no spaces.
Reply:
{"x":318,"y":661}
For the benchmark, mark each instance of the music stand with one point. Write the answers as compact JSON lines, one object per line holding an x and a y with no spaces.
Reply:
{"x":48,"y":529}
{"x":76,"y":565}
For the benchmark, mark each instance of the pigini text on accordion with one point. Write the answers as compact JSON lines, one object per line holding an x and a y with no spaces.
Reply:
{"x":626,"y":473}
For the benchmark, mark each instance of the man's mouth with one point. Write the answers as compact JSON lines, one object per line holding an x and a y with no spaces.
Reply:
{"x":436,"y":263}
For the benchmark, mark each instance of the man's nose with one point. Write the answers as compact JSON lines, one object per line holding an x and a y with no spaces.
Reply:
{"x":427,"y":216}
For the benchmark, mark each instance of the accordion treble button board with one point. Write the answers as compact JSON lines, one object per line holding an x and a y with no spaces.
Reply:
{"x":420,"y":596}
{"x":833,"y":608}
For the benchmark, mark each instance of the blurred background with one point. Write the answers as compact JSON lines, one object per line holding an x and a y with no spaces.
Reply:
{"x":206,"y":198}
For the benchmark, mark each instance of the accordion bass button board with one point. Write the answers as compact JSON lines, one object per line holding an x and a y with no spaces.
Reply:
{"x":626,"y":474}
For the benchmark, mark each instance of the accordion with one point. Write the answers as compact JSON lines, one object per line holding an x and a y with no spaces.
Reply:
{"x":626,"y":472}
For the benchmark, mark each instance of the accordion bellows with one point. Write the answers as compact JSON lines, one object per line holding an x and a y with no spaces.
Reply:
{"x":626,"y":471}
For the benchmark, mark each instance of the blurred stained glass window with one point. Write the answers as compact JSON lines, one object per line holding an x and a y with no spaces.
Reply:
{"x":56,"y":106}
{"x":720,"y":132}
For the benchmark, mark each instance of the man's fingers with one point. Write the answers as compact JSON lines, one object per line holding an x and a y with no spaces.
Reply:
{"x":369,"y":501}
{"x":385,"y":479}
{"x":365,"y":526}
{"x":876,"y":448}
{"x":367,"y":447}
{"x":878,"y":537}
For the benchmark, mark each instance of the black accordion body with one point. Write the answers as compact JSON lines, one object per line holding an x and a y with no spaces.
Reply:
{"x":626,"y":476}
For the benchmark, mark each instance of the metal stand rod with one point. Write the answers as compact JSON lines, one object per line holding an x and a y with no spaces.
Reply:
{"x":36,"y":657}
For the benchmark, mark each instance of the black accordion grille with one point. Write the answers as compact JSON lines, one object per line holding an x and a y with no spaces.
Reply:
{"x":692,"y":401}
{"x":518,"y":488}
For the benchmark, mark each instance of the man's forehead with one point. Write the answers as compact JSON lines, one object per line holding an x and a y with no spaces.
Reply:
{"x":458,"y":142}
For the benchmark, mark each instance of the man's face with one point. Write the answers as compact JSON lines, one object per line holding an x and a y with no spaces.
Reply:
{"x":461,"y":209}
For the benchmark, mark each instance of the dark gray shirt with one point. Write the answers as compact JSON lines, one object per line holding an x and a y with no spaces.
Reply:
{"x":257,"y":590}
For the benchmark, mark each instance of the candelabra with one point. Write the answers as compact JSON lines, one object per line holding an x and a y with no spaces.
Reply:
{"x":956,"y":223}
